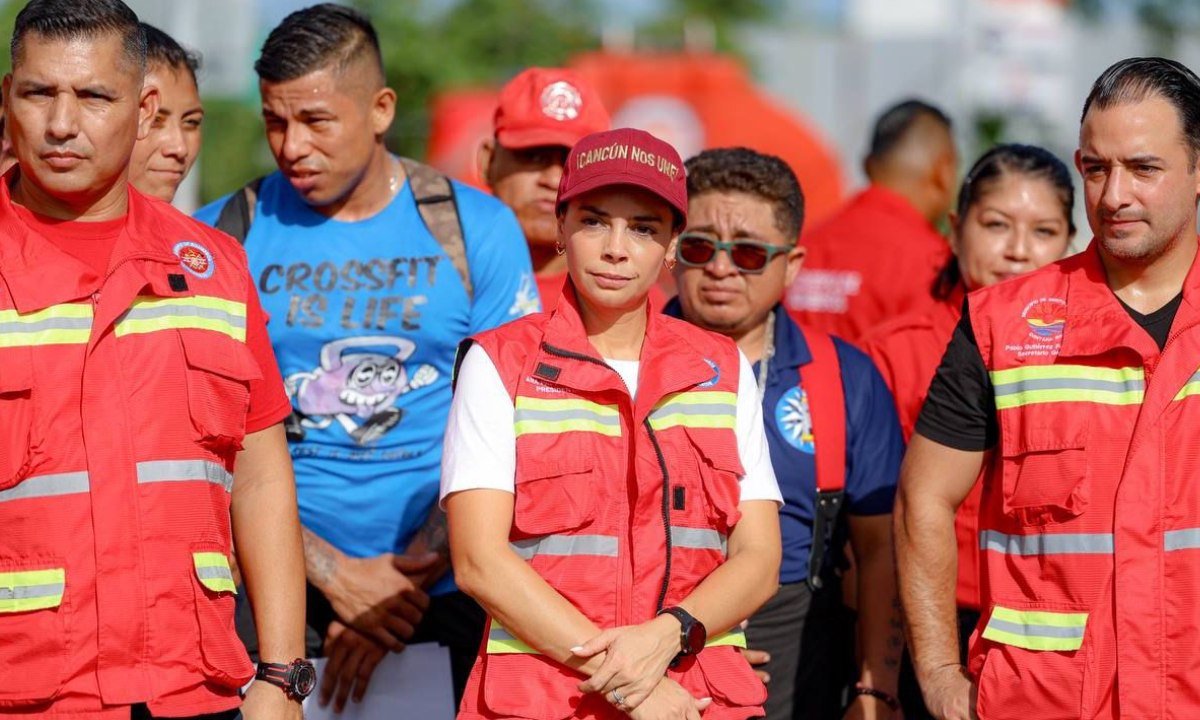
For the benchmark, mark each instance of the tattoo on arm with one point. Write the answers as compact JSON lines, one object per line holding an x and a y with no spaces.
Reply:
{"x":895,"y":640}
{"x":320,"y":558}
{"x":436,"y":534}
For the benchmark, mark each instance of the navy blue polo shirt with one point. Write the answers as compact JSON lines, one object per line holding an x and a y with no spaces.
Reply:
{"x":874,"y":444}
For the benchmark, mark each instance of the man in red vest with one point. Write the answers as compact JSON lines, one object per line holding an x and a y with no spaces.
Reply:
{"x":140,"y":413}
{"x":1077,"y":385}
{"x":878,"y":256}
{"x":831,"y":430}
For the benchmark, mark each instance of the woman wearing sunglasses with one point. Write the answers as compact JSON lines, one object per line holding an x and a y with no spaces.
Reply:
{"x":1014,"y":215}
{"x":606,"y":479}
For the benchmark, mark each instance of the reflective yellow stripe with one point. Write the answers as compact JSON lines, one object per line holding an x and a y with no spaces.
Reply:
{"x":201,"y":312}
{"x":697,"y":409}
{"x":69,"y":324}
{"x":1036,"y":629}
{"x":502,"y":642}
{"x":735,"y":637}
{"x":27,"y":590}
{"x":550,"y":416}
{"x":1038,"y":384}
{"x":212,"y":568}
{"x":1191,"y":388}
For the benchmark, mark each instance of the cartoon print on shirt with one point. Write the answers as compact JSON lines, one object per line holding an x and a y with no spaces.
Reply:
{"x":357,"y":386}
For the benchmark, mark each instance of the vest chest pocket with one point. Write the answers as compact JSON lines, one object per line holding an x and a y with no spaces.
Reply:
{"x":219,"y":371}
{"x":719,"y":474}
{"x":17,"y":410}
{"x":1044,"y":472}
{"x":554,"y":493}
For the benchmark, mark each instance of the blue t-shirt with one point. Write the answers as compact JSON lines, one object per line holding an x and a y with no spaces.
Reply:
{"x":874,"y":443}
{"x":366,"y":318}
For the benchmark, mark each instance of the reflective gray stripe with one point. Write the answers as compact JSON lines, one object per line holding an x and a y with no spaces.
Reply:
{"x":40,"y":486}
{"x":1076,"y":544}
{"x":1116,"y":386}
{"x":184,"y":470}
{"x":499,"y":633}
{"x":524,"y":414}
{"x":214,"y":572}
{"x":566,"y":545}
{"x":1182,"y":539}
{"x":54,"y":323}
{"x":1053,"y":631}
{"x":694,"y":409}
{"x":149,"y":313}
{"x":698,"y":539}
{"x":29,"y":592}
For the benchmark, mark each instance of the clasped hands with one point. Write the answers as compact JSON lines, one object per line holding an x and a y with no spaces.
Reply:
{"x":632,"y":675}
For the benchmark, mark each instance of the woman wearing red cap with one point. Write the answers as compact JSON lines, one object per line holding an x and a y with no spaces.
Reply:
{"x":609,"y":491}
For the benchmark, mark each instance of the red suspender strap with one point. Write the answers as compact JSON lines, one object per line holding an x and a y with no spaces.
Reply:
{"x":827,"y":405}
{"x":822,"y":381}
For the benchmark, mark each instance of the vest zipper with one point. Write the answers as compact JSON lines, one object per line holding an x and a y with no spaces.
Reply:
{"x":666,"y":515}
{"x":662,"y":464}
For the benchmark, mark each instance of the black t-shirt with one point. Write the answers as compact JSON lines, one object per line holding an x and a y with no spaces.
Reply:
{"x":960,"y":409}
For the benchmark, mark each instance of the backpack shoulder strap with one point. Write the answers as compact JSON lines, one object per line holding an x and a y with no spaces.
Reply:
{"x":434,"y":196}
{"x":827,"y":407}
{"x":238,"y":212}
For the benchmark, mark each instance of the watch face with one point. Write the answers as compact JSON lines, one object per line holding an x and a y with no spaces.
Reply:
{"x":696,"y":637}
{"x":304,"y":679}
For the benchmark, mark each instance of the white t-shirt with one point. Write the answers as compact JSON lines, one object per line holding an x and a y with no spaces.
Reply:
{"x":480,"y":449}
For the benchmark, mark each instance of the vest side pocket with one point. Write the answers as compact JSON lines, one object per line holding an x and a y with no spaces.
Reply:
{"x":1033,"y":657}
{"x":225,"y":658}
{"x":219,"y":371}
{"x":34,"y":630}
{"x":1045,"y":471}
{"x":17,"y":411}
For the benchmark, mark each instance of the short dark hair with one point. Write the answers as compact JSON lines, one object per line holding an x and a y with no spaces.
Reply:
{"x":74,"y":19}
{"x":756,"y":174}
{"x":1135,"y":79}
{"x":162,"y":49}
{"x":315,"y":38}
{"x":893,"y":124}
{"x":1027,"y":161}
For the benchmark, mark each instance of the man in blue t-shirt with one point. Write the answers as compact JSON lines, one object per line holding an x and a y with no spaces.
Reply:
{"x":367,"y":309}
{"x":735,"y":258}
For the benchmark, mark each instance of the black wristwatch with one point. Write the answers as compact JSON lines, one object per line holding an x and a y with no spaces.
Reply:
{"x":297,"y":678}
{"x":692,"y":634}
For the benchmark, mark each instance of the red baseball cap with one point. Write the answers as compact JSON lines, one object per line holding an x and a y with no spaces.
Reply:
{"x":547,"y":106}
{"x":625,"y":157}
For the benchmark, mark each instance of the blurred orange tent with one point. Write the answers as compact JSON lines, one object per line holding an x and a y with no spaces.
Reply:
{"x":694,"y":101}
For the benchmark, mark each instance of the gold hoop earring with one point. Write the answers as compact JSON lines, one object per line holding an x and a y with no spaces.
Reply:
{"x":560,"y":248}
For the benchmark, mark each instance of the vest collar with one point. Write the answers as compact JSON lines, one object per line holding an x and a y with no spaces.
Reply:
{"x":39,"y":275}
{"x":1091,"y":304}
{"x":572,"y":359}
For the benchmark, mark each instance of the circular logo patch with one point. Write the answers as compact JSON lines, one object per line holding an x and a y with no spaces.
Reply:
{"x":195,"y":258}
{"x":795,"y":421}
{"x":1046,"y":318}
{"x":561,"y":101}
{"x":716,"y":378}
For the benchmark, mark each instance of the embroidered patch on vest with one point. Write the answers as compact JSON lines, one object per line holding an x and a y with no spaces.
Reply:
{"x":794,"y":420}
{"x":716,"y":378}
{"x":195,"y":258}
{"x":1046,"y":318}
{"x":547,"y":371}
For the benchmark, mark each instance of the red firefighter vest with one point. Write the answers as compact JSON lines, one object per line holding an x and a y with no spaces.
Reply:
{"x":1090,"y":525}
{"x":123,"y":401}
{"x":623,"y":506}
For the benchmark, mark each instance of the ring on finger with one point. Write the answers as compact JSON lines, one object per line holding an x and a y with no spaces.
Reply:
{"x":617,"y":698}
